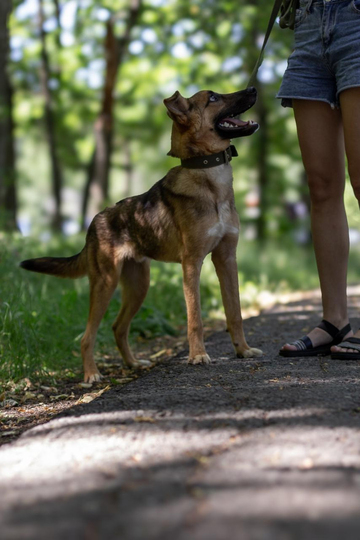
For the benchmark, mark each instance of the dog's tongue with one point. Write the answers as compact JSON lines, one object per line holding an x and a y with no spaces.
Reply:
{"x":235,"y":121}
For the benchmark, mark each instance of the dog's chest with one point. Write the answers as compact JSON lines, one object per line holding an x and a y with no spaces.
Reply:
{"x":223,"y":219}
{"x":224,"y":224}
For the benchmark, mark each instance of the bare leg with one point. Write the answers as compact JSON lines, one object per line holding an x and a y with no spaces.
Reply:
{"x":191,"y":276}
{"x":135,"y":280}
{"x":321,"y":139}
{"x":350,"y":109}
{"x":224,"y":259}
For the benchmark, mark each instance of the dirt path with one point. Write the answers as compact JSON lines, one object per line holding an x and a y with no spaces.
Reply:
{"x":267,"y":449}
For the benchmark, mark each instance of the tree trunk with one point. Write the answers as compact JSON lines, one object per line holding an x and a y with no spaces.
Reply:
{"x":57,"y":16}
{"x":129,"y":169}
{"x":262,"y":160}
{"x":97,"y":185}
{"x":8,"y":203}
{"x":56,"y":172}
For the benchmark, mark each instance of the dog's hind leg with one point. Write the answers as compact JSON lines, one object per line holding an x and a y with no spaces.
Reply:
{"x":135,"y":281}
{"x":102,"y":286}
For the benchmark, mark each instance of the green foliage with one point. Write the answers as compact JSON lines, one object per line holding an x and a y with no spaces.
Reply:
{"x":178,"y":44}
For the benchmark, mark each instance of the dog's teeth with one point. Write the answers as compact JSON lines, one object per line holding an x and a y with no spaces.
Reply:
{"x":228,"y":125}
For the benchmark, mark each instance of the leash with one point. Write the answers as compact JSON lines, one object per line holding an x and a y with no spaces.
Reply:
{"x":287,"y":10}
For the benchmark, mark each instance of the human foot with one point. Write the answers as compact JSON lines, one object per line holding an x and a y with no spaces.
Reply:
{"x":353,"y":349}
{"x":317,"y":342}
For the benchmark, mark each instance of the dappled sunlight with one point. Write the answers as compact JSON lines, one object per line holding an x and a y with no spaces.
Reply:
{"x":262,"y":470}
{"x":145,"y":438}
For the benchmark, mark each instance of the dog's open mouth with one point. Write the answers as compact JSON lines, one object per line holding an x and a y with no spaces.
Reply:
{"x":228,"y":123}
{"x":232,"y":126}
{"x":234,"y":123}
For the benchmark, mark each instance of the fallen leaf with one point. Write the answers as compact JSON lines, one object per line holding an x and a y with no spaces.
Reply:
{"x":8,"y":433}
{"x":144,"y":419}
{"x":86,"y":398}
{"x":9,"y":403}
{"x":29,"y":395}
{"x":156,"y":355}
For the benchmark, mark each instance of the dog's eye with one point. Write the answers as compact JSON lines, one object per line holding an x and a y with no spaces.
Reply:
{"x":213,"y":97}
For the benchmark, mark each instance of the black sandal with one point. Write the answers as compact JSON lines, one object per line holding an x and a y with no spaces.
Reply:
{"x":306,"y":348}
{"x":350,"y":343}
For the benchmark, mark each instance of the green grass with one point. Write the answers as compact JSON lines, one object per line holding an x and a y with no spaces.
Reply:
{"x":42,"y":318}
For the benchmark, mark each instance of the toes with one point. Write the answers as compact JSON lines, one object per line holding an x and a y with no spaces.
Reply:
{"x":251,"y":353}
{"x":288,"y":347}
{"x":336,"y":349}
{"x":200,"y":359}
{"x":92,"y":377}
{"x":145,"y":363}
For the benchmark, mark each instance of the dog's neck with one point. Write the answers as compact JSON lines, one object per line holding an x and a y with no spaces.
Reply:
{"x":186,"y":144}
{"x":209,"y":161}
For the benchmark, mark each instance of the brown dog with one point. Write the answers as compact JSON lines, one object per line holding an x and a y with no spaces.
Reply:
{"x":183,"y":217}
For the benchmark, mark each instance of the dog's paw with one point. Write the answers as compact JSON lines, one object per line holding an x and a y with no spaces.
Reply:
{"x":92,"y":377}
{"x":135,"y":364}
{"x":200,"y":359}
{"x":144,"y":363}
{"x":251,"y":353}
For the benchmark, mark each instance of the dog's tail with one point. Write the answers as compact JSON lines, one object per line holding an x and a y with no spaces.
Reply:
{"x":65,"y":267}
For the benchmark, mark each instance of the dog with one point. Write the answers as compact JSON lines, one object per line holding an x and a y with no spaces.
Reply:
{"x":183,"y":217}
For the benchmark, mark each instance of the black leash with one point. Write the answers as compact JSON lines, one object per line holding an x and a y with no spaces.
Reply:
{"x":287,"y":11}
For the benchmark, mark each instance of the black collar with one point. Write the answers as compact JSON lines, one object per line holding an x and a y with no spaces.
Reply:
{"x":206,"y":162}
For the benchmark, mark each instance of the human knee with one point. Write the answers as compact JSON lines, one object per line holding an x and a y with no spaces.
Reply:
{"x":324,"y":188}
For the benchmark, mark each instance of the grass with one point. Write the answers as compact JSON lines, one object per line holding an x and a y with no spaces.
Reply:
{"x":42,"y":318}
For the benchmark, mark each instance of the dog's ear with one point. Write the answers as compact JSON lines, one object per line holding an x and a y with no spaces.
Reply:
{"x":177,"y":108}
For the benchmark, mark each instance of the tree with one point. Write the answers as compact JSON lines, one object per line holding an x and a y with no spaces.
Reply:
{"x":97,"y":185}
{"x":8,"y":202}
{"x":57,"y":174}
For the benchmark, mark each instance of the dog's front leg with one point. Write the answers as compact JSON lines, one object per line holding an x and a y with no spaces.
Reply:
{"x":191,"y":278}
{"x":224,"y":259}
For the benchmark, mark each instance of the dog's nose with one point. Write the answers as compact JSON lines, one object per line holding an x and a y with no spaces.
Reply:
{"x":251,"y":90}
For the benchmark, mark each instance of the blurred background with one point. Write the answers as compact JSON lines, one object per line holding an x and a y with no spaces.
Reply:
{"x":82,"y":125}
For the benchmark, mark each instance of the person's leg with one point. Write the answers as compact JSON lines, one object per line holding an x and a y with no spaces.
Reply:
{"x":350,"y":110}
{"x":321,"y":140}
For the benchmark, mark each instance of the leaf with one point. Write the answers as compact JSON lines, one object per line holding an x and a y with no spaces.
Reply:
{"x":160,"y":353}
{"x":145,"y":419}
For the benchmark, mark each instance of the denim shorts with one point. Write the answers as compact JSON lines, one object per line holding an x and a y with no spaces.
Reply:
{"x":326,"y":56}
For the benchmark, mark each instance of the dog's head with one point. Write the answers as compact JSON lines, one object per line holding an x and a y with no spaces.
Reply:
{"x":206,"y":122}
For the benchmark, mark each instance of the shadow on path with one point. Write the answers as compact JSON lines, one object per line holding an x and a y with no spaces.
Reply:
{"x":252,"y":449}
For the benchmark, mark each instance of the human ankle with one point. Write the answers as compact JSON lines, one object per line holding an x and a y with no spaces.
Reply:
{"x":339,"y":322}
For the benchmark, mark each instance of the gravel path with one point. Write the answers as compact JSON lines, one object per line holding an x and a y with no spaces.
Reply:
{"x":265,"y":449}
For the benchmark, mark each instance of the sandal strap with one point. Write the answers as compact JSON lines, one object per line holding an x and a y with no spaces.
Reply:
{"x":352,"y":340}
{"x":303,"y":343}
{"x":351,"y":343}
{"x":345,"y":331}
{"x":334,"y":332}
{"x":328,"y":328}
